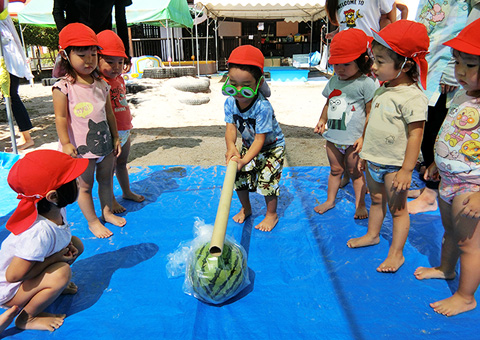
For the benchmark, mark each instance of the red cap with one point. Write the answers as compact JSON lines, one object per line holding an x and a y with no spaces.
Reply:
{"x":111,"y":44}
{"x":409,"y":39}
{"x":33,"y":176}
{"x":467,"y":40}
{"x":77,"y":34}
{"x":347,"y":46}
{"x":247,"y":55}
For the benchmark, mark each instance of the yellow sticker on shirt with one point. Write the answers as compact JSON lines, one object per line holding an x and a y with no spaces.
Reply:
{"x":83,"y":109}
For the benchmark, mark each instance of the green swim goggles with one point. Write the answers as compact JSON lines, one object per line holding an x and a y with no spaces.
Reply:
{"x":247,"y":92}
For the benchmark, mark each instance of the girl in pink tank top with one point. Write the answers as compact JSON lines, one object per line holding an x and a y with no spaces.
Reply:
{"x":85,"y":122}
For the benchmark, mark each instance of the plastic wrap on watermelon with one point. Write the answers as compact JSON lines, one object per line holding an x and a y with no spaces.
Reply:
{"x":210,"y":278}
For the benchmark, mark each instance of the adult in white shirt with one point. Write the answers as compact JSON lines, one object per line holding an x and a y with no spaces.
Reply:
{"x":361,"y":14}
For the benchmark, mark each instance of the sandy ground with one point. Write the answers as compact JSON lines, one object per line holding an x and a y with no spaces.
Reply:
{"x":169,"y":132}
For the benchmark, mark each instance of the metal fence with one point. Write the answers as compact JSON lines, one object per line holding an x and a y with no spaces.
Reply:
{"x":181,"y":49}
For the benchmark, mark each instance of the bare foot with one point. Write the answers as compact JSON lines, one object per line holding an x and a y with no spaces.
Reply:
{"x":391,"y":264}
{"x":43,"y":321}
{"x":361,"y":213}
{"x":70,"y":289}
{"x":99,"y":230}
{"x":268,"y":223}
{"x":242,"y":215}
{"x":117,"y":208}
{"x":115,"y":220}
{"x":134,"y":197}
{"x":421,"y":204}
{"x":454,"y":305}
{"x":7,"y":317}
{"x":363,"y":241}
{"x":25,"y":145}
{"x":432,"y":273}
{"x":324,"y":207}
{"x":414,"y":193}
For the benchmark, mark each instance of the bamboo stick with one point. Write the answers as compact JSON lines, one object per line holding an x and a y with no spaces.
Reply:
{"x":220,"y":226}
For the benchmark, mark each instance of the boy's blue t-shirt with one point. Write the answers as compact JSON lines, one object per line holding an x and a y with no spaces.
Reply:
{"x":258,"y":118}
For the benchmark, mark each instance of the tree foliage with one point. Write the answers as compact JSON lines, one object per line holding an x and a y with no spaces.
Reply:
{"x":39,"y":36}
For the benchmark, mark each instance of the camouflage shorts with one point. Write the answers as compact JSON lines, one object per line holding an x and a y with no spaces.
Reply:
{"x":262,"y":174}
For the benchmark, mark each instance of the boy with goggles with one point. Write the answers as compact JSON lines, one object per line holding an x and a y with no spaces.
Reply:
{"x":260,"y":160}
{"x":247,"y":92}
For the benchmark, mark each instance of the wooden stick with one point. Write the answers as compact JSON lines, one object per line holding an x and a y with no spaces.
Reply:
{"x":220,"y":226}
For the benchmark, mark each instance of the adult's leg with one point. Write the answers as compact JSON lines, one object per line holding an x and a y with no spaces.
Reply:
{"x":21,"y":115}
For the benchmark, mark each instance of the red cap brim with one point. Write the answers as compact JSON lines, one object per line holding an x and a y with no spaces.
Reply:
{"x":463,"y":46}
{"x":26,"y":212}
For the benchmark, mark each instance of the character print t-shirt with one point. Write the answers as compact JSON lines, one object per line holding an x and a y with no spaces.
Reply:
{"x":258,"y":118}
{"x":362,"y":14}
{"x":443,"y":19}
{"x":393,"y":109}
{"x":118,"y":95}
{"x":346,"y":108}
{"x":87,"y":119}
{"x":457,"y":148}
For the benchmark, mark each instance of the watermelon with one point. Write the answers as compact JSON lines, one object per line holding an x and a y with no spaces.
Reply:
{"x":217,"y":279}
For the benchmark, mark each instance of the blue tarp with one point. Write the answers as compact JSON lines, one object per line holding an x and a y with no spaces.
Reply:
{"x":306,"y":283}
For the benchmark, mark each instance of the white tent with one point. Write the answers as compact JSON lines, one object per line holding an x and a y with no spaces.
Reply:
{"x":287,"y":10}
{"x":293,"y":10}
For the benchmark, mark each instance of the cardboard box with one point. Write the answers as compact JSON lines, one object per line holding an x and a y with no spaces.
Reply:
{"x":272,"y":61}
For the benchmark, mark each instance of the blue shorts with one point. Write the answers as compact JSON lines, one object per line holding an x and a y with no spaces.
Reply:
{"x":123,"y":135}
{"x":378,"y":171}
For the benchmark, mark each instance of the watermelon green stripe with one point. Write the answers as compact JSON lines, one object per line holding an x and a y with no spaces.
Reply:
{"x":216,"y":280}
{"x":232,"y":272}
{"x":236,"y":283}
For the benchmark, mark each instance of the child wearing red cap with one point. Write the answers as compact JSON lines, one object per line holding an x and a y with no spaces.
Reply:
{"x":457,"y":162}
{"x":111,"y":60}
{"x":85,"y":122}
{"x":394,"y":133}
{"x":35,"y":258}
{"x":260,"y":161}
{"x":349,"y":95}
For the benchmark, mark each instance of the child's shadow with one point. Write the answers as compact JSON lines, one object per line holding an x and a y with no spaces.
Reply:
{"x":93,"y":275}
{"x":151,"y":187}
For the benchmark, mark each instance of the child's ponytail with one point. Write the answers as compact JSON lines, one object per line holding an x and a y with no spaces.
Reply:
{"x":331,"y":9}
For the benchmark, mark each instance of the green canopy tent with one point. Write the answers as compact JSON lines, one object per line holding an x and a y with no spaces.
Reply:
{"x":175,"y":13}
{"x":167,"y":13}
